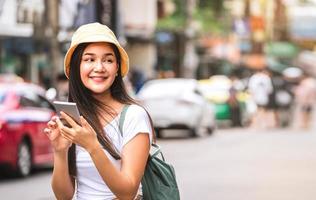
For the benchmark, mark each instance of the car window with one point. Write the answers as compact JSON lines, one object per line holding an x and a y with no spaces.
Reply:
{"x":31,"y":99}
{"x":26,"y":102}
{"x":198,"y":92}
{"x":44,"y":103}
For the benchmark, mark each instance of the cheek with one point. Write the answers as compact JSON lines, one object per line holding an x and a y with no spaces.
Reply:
{"x":83,"y":67}
{"x":84,"y":72}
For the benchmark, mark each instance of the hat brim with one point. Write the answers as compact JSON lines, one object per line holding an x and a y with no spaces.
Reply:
{"x":97,"y":38}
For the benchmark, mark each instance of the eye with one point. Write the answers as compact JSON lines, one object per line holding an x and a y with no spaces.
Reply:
{"x":108,"y":60}
{"x":88,"y":59}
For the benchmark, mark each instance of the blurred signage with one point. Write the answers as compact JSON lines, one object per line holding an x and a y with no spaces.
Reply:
{"x":241,"y":28}
{"x":254,"y":61}
{"x":302,"y":24}
{"x":164,"y":37}
{"x":281,"y":49}
{"x":256,"y":23}
{"x":245,"y":46}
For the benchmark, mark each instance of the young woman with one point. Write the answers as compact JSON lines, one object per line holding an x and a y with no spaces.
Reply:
{"x":93,"y":160}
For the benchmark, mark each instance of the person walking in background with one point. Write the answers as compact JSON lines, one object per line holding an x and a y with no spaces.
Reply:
{"x":233,"y":102}
{"x":305,"y":96}
{"x":137,"y":79}
{"x":94,"y":160}
{"x":260,"y":87}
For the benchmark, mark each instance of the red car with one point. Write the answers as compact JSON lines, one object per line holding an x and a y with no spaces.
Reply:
{"x":24,"y":113}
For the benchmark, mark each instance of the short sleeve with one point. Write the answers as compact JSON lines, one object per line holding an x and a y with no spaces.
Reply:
{"x":136,"y":121}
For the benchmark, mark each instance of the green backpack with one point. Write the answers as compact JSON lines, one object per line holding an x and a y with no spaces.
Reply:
{"x":159,"y":180}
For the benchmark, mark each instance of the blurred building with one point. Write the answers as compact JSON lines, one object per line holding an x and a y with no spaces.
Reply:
{"x":133,"y":23}
{"x":26,"y":40}
{"x":139,"y":23}
{"x":18,"y":50}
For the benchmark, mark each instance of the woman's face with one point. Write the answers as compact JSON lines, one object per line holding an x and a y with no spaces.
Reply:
{"x":98,"y":67}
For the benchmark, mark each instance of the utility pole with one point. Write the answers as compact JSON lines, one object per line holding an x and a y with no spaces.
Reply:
{"x":52,"y":30}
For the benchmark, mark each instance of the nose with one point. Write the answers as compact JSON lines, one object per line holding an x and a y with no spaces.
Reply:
{"x":99,"y":66}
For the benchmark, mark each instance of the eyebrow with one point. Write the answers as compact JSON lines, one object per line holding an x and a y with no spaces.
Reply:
{"x":93,"y":54}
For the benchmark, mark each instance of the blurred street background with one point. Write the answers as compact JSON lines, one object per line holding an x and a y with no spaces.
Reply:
{"x":230,"y":85}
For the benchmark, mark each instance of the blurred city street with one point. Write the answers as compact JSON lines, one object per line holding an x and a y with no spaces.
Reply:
{"x":238,"y":75}
{"x":232,"y":164}
{"x":238,"y":164}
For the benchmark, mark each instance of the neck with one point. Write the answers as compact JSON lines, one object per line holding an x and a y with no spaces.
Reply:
{"x":108,"y":99}
{"x":104,"y":97}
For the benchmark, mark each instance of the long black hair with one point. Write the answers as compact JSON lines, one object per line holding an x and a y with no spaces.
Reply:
{"x":90,"y":107}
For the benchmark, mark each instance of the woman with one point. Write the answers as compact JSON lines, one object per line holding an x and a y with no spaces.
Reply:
{"x":94,"y":160}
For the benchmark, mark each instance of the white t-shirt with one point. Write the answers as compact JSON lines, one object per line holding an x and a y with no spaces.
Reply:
{"x":90,"y":185}
{"x":260,"y":87}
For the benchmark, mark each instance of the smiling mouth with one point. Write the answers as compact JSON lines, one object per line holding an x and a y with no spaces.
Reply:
{"x":98,"y":78}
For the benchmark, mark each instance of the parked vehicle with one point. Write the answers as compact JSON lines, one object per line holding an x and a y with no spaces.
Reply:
{"x":24,"y":113}
{"x":177,"y":103}
{"x":218,"y":90}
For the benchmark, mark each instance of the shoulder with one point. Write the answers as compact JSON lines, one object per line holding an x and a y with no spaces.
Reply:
{"x":136,"y":110}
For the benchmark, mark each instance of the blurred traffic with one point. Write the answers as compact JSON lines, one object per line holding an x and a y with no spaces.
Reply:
{"x":24,"y":113}
{"x":177,"y":103}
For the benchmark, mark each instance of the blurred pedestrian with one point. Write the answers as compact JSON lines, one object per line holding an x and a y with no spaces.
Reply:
{"x":305,"y":96}
{"x":93,"y":159}
{"x":137,"y":79}
{"x":234,"y":103}
{"x":260,"y":87}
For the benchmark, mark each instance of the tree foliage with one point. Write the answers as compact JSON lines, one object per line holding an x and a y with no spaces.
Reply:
{"x":208,"y":15}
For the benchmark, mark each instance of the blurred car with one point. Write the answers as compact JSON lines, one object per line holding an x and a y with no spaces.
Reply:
{"x":217,"y":89}
{"x":24,"y":113}
{"x":177,"y":103}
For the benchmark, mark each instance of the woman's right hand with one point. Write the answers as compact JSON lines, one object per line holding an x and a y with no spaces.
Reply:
{"x":58,"y":142}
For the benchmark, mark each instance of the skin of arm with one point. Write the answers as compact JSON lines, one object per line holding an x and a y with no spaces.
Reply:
{"x":123,"y":183}
{"x":62,"y":183}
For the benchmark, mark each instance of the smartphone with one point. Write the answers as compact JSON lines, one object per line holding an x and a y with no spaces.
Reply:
{"x":70,"y":108}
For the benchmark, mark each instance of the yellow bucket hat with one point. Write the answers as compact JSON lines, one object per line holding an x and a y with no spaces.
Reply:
{"x":95,"y":32}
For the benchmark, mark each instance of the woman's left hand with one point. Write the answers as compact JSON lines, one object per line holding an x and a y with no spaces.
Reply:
{"x":83,"y":135}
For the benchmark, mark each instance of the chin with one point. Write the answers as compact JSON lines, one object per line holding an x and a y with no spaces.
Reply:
{"x":99,"y":90}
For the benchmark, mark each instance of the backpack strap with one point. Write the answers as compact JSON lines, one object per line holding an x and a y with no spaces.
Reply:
{"x":121,"y":122}
{"x":122,"y":118}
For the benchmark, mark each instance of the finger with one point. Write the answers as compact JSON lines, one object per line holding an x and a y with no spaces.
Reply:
{"x":66,"y":136}
{"x":54,"y":118}
{"x":85,"y":123}
{"x":47,"y":131}
{"x":49,"y":134}
{"x":63,"y":128}
{"x":68,"y":119}
{"x":52,"y":124}
{"x":59,"y":123}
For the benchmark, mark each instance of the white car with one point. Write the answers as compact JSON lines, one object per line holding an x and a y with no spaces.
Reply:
{"x":177,"y":103}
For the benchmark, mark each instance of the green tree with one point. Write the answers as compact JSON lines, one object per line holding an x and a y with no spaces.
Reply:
{"x":208,"y":15}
